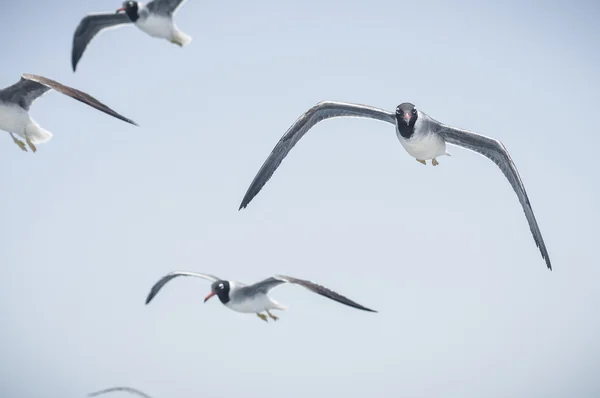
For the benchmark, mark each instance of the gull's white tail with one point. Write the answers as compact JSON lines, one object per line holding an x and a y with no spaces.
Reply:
{"x":180,"y":38}
{"x":36,"y":134}
{"x":277,"y":306}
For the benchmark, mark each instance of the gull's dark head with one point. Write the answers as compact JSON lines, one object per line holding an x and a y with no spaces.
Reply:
{"x":130,"y":8}
{"x":219,"y":289}
{"x":406,"y":117}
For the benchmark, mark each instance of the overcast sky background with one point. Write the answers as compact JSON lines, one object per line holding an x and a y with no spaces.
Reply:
{"x":467,"y":306}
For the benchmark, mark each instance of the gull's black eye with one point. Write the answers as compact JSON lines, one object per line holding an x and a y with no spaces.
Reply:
{"x":414,"y":110}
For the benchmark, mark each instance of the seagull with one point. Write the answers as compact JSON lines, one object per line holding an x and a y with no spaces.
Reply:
{"x":124,"y":389}
{"x":154,"y":18}
{"x":423,"y":137}
{"x":16,"y":100}
{"x":252,"y":299}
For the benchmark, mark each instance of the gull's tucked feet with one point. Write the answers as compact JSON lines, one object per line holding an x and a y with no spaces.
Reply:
{"x":33,"y":148}
{"x":262,"y":316}
{"x":421,"y":161}
{"x":434,"y":162}
{"x":19,"y":143}
{"x":273,"y":317}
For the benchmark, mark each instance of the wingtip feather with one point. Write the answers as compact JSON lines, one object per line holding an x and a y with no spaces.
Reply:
{"x":150,"y":296}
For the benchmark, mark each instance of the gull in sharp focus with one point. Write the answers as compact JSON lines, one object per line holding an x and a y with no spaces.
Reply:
{"x":120,"y":389}
{"x":154,"y":18}
{"x":252,"y":299}
{"x":423,"y":137}
{"x":16,"y":100}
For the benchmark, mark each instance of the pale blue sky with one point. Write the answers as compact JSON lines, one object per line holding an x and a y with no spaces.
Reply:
{"x":467,"y":306}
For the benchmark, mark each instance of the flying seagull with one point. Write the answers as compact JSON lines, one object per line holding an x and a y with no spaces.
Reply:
{"x":16,"y":100}
{"x":154,"y":18}
{"x":423,"y":137}
{"x":123,"y":389}
{"x":252,"y":299}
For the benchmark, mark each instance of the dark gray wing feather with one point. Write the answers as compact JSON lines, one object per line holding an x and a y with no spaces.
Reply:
{"x":23,"y":93}
{"x":321,"y":111}
{"x":164,"y":7}
{"x":264,"y":286}
{"x":31,"y":82}
{"x":270,"y":283}
{"x":165,"y":279}
{"x":89,"y":27}
{"x":123,"y":389}
{"x":497,"y":153}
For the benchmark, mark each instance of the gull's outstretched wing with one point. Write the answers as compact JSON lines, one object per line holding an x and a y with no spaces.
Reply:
{"x":164,"y":7}
{"x":32,"y":86}
{"x":89,"y":27}
{"x":23,"y":93}
{"x":274,"y":281}
{"x":165,"y":279}
{"x":123,"y":389}
{"x":497,"y":153}
{"x":321,"y":111}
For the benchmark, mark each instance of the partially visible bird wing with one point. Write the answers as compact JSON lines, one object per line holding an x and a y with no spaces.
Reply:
{"x":270,"y":283}
{"x":163,"y":281}
{"x":321,"y":111}
{"x":33,"y":82}
{"x":164,"y":7}
{"x":89,"y":27}
{"x":125,"y":389}
{"x":23,"y":93}
{"x":264,"y":286}
{"x":497,"y":153}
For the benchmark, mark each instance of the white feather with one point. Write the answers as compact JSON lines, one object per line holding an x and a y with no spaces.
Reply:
{"x":16,"y":120}
{"x":156,"y":26}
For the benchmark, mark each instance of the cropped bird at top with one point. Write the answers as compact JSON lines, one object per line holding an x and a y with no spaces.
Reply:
{"x":120,"y":389}
{"x":249,"y":299}
{"x":154,"y":18}
{"x":16,"y":100}
{"x":423,"y":137}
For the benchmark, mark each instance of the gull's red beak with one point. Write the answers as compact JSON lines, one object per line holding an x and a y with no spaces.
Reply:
{"x":120,"y":10}
{"x":209,"y":296}
{"x":407,"y":117}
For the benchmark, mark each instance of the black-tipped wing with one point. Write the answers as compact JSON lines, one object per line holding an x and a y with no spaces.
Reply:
{"x":276,"y":280}
{"x":164,"y":7}
{"x":120,"y":389}
{"x":165,"y":279}
{"x":69,"y":91}
{"x":89,"y":27}
{"x":497,"y":153}
{"x":321,"y":111}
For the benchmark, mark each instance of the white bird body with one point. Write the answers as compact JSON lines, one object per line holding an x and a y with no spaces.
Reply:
{"x":160,"y":26}
{"x":14,"y":119}
{"x":156,"y":26}
{"x":424,"y":145}
{"x":254,"y":304}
